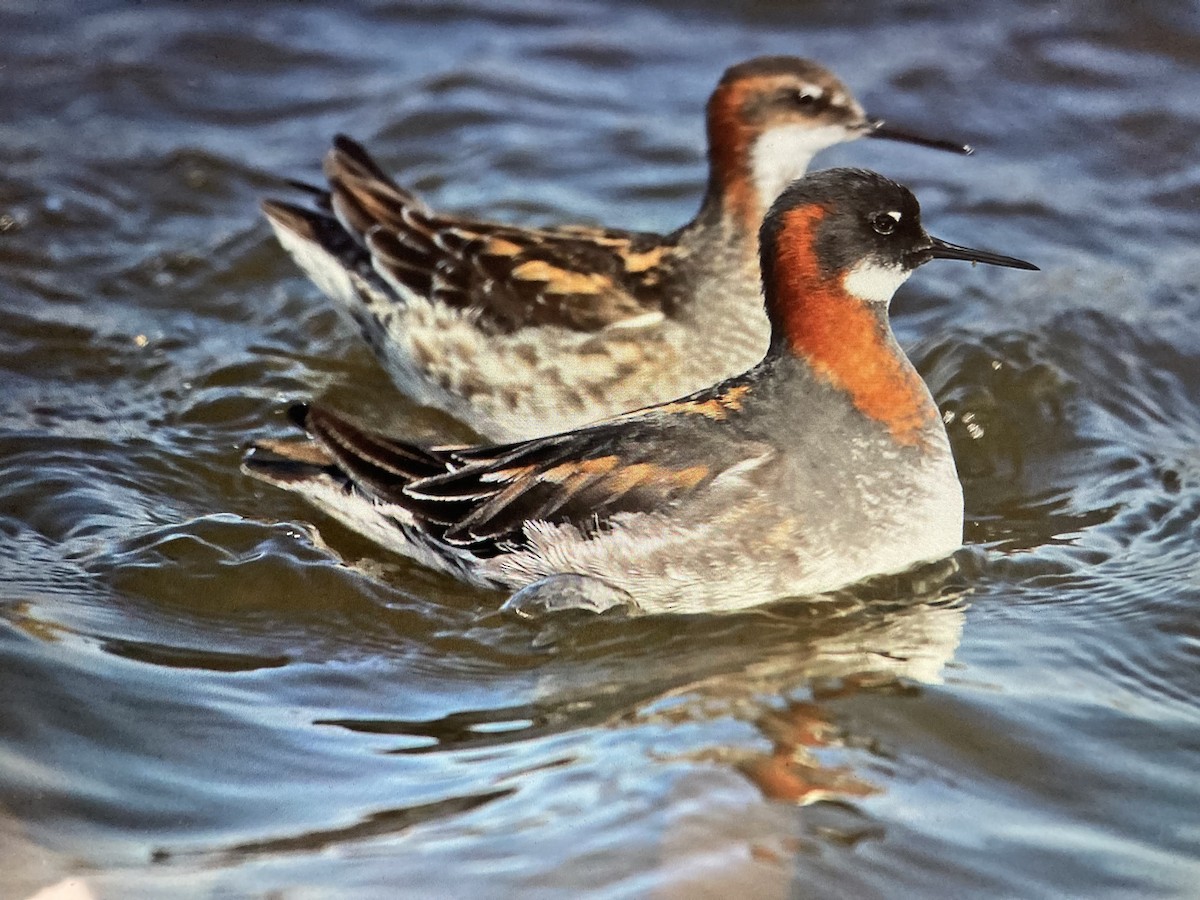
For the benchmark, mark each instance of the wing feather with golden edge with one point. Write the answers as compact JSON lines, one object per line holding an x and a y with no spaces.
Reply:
{"x":379,"y":464}
{"x":579,"y":278}
{"x":480,"y":498}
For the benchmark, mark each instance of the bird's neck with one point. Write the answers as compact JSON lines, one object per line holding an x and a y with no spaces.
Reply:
{"x":749,"y":167}
{"x":841,"y":337}
{"x":734,"y":196}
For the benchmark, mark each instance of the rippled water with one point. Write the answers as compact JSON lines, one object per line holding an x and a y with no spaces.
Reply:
{"x":207,"y":689}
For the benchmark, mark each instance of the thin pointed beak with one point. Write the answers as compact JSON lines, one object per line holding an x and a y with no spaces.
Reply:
{"x":878,"y":128}
{"x":939,"y":249}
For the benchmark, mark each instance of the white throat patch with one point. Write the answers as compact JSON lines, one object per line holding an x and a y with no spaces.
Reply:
{"x":874,"y":283}
{"x":782,"y":155}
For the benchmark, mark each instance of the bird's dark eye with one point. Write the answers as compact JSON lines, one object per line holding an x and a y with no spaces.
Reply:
{"x":804,"y":99}
{"x":885,"y":222}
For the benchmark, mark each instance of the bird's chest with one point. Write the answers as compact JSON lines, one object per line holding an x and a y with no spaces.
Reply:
{"x":872,"y":508}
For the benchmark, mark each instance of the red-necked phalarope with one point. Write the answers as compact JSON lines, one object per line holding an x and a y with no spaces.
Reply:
{"x":822,"y":465}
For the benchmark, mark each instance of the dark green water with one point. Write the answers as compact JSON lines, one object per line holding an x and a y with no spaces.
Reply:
{"x":207,"y":689}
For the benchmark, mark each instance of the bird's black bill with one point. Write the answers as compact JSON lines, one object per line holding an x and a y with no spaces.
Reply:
{"x":939,"y":249}
{"x":880,"y":129}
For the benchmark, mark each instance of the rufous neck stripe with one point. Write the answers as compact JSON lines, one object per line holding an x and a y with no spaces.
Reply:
{"x":843,"y":338}
{"x":730,"y":142}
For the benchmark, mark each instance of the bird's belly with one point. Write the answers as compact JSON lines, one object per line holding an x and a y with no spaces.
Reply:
{"x":751,"y":545}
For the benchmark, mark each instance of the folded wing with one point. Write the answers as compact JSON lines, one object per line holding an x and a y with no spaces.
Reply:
{"x":480,"y":498}
{"x":577,"y":278}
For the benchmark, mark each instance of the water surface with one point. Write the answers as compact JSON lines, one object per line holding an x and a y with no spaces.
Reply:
{"x":208,"y":689}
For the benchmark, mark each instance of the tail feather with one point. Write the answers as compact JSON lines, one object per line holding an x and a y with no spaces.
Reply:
{"x":349,"y":159}
{"x":288,"y":464}
{"x":330,"y":234}
{"x":318,"y":195}
{"x":342,"y":450}
{"x":384,"y":464}
{"x":315,"y":227}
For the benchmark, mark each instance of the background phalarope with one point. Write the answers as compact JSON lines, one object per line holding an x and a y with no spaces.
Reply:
{"x":468,"y":316}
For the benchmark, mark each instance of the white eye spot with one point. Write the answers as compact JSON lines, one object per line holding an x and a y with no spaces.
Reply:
{"x":874,"y":282}
{"x":811,"y":90}
{"x":885,"y":222}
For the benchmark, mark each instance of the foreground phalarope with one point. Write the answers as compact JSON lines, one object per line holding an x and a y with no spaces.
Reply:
{"x":824,"y":464}
{"x":468,"y":316}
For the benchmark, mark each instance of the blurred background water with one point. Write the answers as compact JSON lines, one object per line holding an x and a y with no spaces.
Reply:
{"x":208,"y":689}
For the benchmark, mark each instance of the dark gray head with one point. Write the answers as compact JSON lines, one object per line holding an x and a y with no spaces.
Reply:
{"x":856,"y":232}
{"x":835,"y":246}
